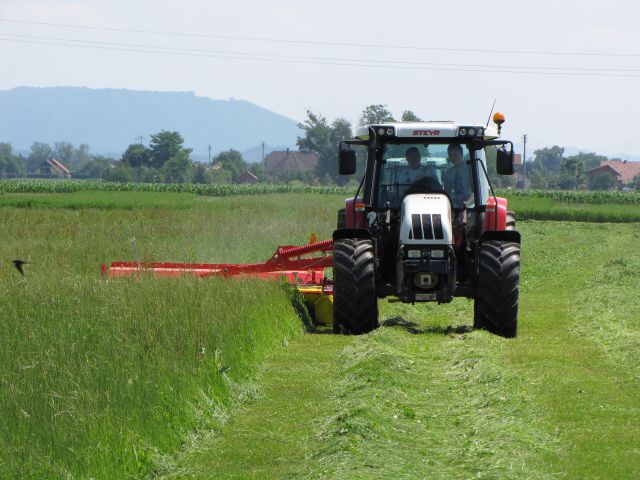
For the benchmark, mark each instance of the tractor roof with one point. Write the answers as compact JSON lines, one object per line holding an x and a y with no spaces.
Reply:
{"x":426,"y":130}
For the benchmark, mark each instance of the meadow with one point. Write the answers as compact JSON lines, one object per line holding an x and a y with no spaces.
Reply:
{"x":216,"y":379}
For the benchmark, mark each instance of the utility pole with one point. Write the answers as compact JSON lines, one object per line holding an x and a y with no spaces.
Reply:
{"x":209,"y":154}
{"x":524,"y":162}
{"x":139,"y":139}
{"x":262,"y":152}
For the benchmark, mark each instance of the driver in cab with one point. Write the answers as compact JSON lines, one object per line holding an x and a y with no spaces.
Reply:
{"x":419,"y":177}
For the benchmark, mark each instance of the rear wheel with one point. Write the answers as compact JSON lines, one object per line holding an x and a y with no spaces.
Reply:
{"x":496,"y":303}
{"x":342,"y":218}
{"x":355,"y":306}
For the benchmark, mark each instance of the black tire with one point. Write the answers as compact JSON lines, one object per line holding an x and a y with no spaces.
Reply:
{"x":355,"y":305}
{"x":496,"y":303}
{"x":511,"y":220}
{"x":342,"y":218}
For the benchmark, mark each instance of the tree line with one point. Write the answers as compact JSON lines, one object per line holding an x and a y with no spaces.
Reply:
{"x":550,"y":169}
{"x":166,"y":159}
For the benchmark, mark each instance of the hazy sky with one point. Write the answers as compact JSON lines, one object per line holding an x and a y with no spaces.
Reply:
{"x":283,"y":56}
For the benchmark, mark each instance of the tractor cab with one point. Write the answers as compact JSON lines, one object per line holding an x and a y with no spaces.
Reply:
{"x":425,"y":209}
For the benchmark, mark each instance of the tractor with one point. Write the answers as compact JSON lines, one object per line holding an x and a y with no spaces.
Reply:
{"x":425,"y":224}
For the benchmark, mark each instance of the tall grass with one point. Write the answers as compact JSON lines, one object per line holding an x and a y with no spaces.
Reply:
{"x":103,"y":378}
{"x":108,"y":379}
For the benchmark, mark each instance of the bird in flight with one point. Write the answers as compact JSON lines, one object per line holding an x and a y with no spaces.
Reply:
{"x":18,"y":264}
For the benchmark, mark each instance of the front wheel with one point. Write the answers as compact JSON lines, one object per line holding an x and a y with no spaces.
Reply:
{"x":355,"y":305}
{"x":496,"y":302}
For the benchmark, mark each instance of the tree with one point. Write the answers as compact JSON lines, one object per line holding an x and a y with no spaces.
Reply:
{"x":137,"y":155}
{"x":40,"y":153}
{"x":220,"y":176}
{"x":10,"y":165}
{"x":589,"y":160}
{"x":572,"y":174}
{"x":178,"y":168}
{"x":538,"y":178}
{"x":63,"y":152}
{"x":232,"y":162}
{"x":374,"y":114}
{"x":121,"y":173}
{"x":324,"y":139}
{"x":201,"y":174}
{"x":165,"y":145}
{"x":96,"y":167}
{"x":409,"y":116}
{"x":549,"y":159}
{"x":635,"y":183}
{"x":81,"y":156}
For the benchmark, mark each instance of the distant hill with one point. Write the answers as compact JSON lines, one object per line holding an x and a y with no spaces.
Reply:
{"x":109,"y":120}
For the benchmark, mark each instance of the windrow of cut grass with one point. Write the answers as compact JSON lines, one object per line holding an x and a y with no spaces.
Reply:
{"x":578,"y":196}
{"x":526,"y":207}
{"x":547,"y":208}
{"x":109,"y":379}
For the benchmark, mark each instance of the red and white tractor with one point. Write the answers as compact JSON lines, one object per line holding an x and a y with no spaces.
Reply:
{"x":426,"y":226}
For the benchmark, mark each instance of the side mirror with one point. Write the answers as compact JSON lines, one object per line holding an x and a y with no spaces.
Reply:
{"x":504,"y":161}
{"x":347,"y":162}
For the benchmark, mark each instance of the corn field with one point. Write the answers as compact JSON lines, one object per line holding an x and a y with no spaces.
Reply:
{"x":225,"y":190}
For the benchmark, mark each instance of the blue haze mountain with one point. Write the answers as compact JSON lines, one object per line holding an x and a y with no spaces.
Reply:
{"x":108,"y":120}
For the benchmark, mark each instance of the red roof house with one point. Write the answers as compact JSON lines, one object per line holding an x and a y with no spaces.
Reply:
{"x":247,"y":177}
{"x":623,"y":170}
{"x":52,"y":168}
{"x":290,"y":161}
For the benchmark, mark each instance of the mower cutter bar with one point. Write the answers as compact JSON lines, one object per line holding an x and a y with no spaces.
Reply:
{"x":286,"y":262}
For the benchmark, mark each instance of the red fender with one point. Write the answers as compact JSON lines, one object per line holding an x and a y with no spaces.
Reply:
{"x":495,"y":218}
{"x":359,"y":220}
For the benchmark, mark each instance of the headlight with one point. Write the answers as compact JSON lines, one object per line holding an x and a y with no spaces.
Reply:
{"x":414,"y":253}
{"x":437,"y":253}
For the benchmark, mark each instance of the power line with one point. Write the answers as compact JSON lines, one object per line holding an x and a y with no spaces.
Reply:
{"x":379,"y":64}
{"x":319,"y":42}
{"x":314,"y":58}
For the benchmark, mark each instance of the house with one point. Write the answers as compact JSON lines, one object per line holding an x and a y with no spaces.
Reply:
{"x":290,"y":161}
{"x":247,"y":177}
{"x":622,"y":171}
{"x":51,"y":168}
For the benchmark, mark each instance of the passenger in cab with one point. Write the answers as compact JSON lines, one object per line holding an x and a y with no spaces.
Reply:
{"x":457,"y":179}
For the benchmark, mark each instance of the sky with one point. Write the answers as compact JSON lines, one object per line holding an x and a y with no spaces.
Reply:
{"x":563,"y":72}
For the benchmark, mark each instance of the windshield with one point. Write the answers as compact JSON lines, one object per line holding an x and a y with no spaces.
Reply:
{"x":428,"y":168}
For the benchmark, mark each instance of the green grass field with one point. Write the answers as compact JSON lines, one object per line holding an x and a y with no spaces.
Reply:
{"x":214,"y":379}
